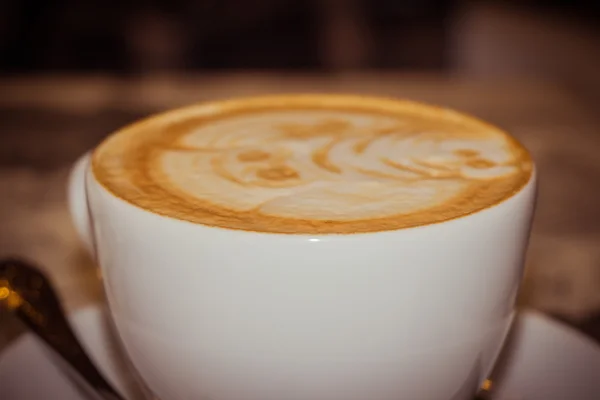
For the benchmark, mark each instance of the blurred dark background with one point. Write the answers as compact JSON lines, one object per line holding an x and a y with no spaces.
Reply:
{"x":319,"y":35}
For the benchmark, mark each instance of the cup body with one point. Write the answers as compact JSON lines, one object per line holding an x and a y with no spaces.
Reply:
{"x":212,"y":313}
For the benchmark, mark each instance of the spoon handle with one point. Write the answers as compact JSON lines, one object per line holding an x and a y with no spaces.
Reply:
{"x":29,"y":295}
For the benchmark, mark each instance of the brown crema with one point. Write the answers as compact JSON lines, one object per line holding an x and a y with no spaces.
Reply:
{"x":312,"y":164}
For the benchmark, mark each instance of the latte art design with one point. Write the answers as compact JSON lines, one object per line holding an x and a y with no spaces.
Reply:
{"x":310,"y":168}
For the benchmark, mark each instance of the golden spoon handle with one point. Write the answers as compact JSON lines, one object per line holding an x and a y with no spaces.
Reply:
{"x":28,"y":294}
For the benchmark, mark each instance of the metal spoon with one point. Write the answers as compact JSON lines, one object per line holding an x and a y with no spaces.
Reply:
{"x":28,"y":294}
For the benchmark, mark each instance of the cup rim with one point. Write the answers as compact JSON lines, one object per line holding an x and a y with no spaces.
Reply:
{"x":212,"y":107}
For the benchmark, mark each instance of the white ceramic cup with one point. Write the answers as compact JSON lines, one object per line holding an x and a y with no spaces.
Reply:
{"x":207,"y":313}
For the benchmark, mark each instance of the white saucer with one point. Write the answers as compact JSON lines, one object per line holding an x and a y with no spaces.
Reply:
{"x":543,"y":361}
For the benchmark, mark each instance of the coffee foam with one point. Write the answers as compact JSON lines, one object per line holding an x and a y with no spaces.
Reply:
{"x":312,"y":164}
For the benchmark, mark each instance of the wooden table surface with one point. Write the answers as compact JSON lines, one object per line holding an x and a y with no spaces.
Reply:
{"x":47,"y":121}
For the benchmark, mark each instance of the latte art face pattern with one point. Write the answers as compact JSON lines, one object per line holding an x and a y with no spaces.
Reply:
{"x":312,"y":164}
{"x":327,"y":166}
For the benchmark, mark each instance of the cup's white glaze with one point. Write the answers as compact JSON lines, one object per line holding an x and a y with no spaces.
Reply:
{"x":210,"y":313}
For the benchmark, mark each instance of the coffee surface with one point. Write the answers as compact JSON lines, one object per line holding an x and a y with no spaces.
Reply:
{"x":312,"y":164}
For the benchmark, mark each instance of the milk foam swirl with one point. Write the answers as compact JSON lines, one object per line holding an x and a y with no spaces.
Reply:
{"x":304,"y":167}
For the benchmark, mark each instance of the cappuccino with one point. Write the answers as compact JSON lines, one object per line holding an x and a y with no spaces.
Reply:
{"x":312,"y":164}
